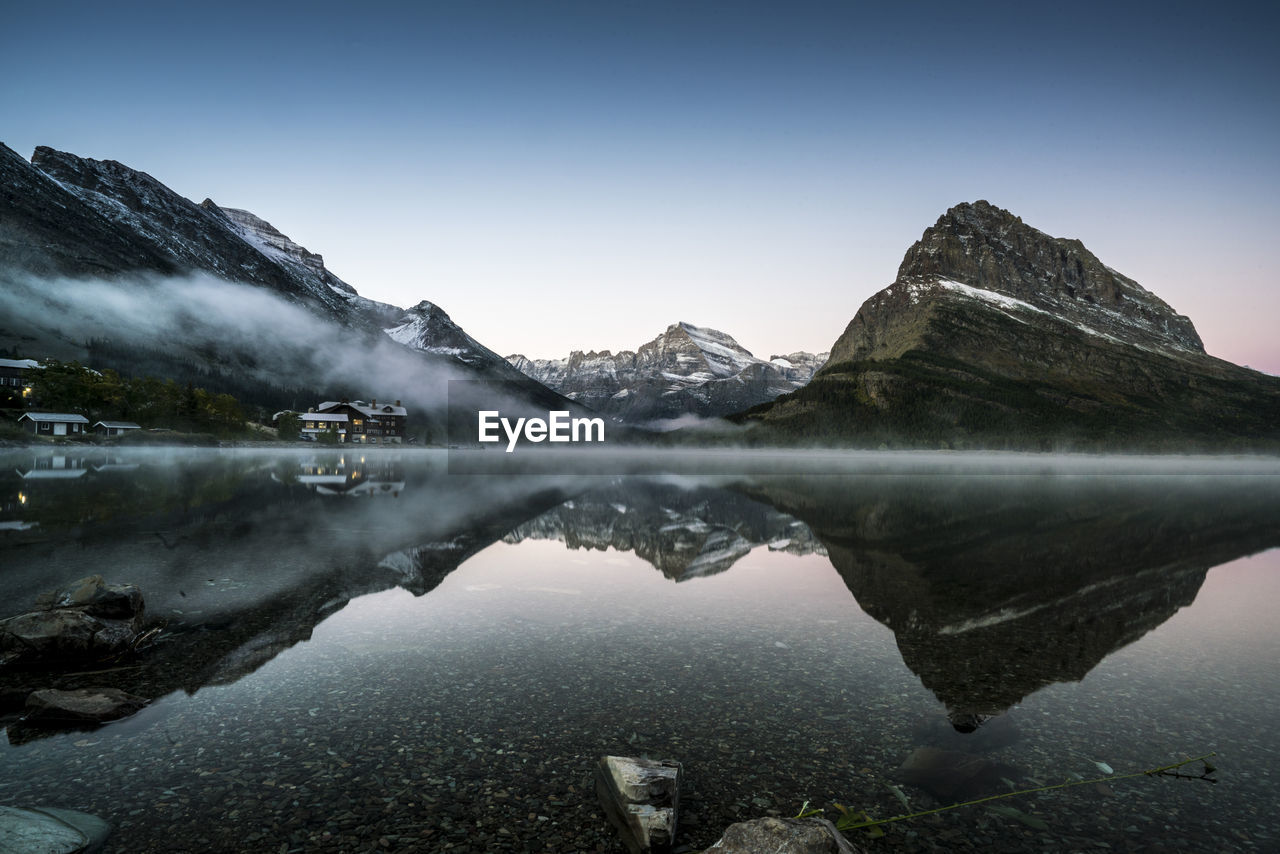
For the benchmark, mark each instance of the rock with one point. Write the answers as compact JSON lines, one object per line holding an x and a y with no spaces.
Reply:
{"x":51,"y":707}
{"x":50,"y":831}
{"x":86,"y":619}
{"x":641,"y":798}
{"x":66,"y":633}
{"x":953,"y":776}
{"x":783,"y":836}
{"x":94,"y":596}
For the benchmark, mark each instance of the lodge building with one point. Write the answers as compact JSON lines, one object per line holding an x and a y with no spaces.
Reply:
{"x":357,"y":422}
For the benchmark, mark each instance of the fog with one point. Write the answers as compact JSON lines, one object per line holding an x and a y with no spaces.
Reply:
{"x":809,"y":462}
{"x":691,"y":423}
{"x":237,"y":329}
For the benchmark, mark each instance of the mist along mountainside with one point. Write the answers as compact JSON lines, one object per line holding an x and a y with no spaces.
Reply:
{"x":105,"y":265}
{"x":997,"y":335}
{"x":687,"y":370}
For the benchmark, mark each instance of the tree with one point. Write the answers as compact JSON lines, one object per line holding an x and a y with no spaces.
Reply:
{"x":329,"y":436}
{"x":289,"y":426}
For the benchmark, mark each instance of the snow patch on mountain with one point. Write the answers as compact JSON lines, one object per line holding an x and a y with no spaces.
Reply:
{"x":1011,"y":306}
{"x":687,"y":370}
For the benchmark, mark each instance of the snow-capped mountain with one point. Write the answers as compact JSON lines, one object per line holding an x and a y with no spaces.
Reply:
{"x":65,"y":216}
{"x":427,"y":328}
{"x":686,"y":370}
{"x":995,"y":334}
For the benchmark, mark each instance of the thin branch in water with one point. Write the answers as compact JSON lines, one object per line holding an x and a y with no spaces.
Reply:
{"x":849,"y":820}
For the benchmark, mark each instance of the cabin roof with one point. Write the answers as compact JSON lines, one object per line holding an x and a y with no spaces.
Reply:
{"x":365,"y":407}
{"x":65,"y":417}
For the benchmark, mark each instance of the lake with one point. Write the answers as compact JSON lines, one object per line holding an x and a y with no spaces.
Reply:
{"x":379,"y":651}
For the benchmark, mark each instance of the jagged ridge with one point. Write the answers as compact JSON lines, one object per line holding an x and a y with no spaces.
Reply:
{"x":687,"y":369}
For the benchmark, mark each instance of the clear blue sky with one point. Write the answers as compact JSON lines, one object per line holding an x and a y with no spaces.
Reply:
{"x":563,"y":175}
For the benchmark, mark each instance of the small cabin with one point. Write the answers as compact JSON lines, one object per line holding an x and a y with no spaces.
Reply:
{"x":115,"y":428}
{"x":54,"y":423}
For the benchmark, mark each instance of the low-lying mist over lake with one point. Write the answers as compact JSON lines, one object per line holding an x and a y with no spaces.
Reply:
{"x":358,"y":645}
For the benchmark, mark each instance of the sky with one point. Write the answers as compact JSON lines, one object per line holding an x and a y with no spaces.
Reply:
{"x":580,"y":175}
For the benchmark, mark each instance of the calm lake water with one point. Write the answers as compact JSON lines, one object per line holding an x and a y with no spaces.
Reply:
{"x":368,"y":652}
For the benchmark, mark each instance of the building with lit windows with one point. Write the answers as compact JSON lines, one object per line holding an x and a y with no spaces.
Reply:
{"x":358,"y":422}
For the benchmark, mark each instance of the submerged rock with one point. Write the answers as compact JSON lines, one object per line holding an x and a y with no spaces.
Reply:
{"x":783,"y":836}
{"x":953,"y":776}
{"x":50,"y":831}
{"x":50,"y":711}
{"x":51,"y":707}
{"x":641,"y":797}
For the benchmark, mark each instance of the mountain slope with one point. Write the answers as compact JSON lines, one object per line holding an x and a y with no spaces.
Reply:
{"x":99,"y":257}
{"x":46,"y":229}
{"x":995,"y":334}
{"x":686,"y":370}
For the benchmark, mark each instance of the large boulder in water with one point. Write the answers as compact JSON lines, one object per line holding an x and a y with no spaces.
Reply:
{"x":94,"y":596}
{"x":64,"y":634}
{"x":83,"y":621}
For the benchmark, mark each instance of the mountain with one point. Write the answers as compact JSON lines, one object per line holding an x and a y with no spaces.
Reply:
{"x":156,"y":272}
{"x":682,"y":531}
{"x":995,"y":334}
{"x":687,"y":370}
{"x":995,"y":587}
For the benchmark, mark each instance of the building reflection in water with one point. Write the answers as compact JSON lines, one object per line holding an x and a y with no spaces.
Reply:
{"x":353,"y":475}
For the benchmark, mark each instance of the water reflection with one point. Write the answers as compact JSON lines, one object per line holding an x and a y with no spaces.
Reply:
{"x":994,"y":587}
{"x":684,"y":530}
{"x":997,"y":587}
{"x":353,"y":476}
{"x":459,"y":652}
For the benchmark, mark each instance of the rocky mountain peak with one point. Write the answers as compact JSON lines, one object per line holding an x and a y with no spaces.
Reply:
{"x":428,"y":328}
{"x":997,"y":335}
{"x":985,"y":247}
{"x":686,"y":370}
{"x":427,"y":307}
{"x":191,"y":236}
{"x":110,"y":177}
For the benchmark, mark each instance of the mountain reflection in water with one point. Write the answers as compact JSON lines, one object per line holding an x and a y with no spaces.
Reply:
{"x":993,"y":587}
